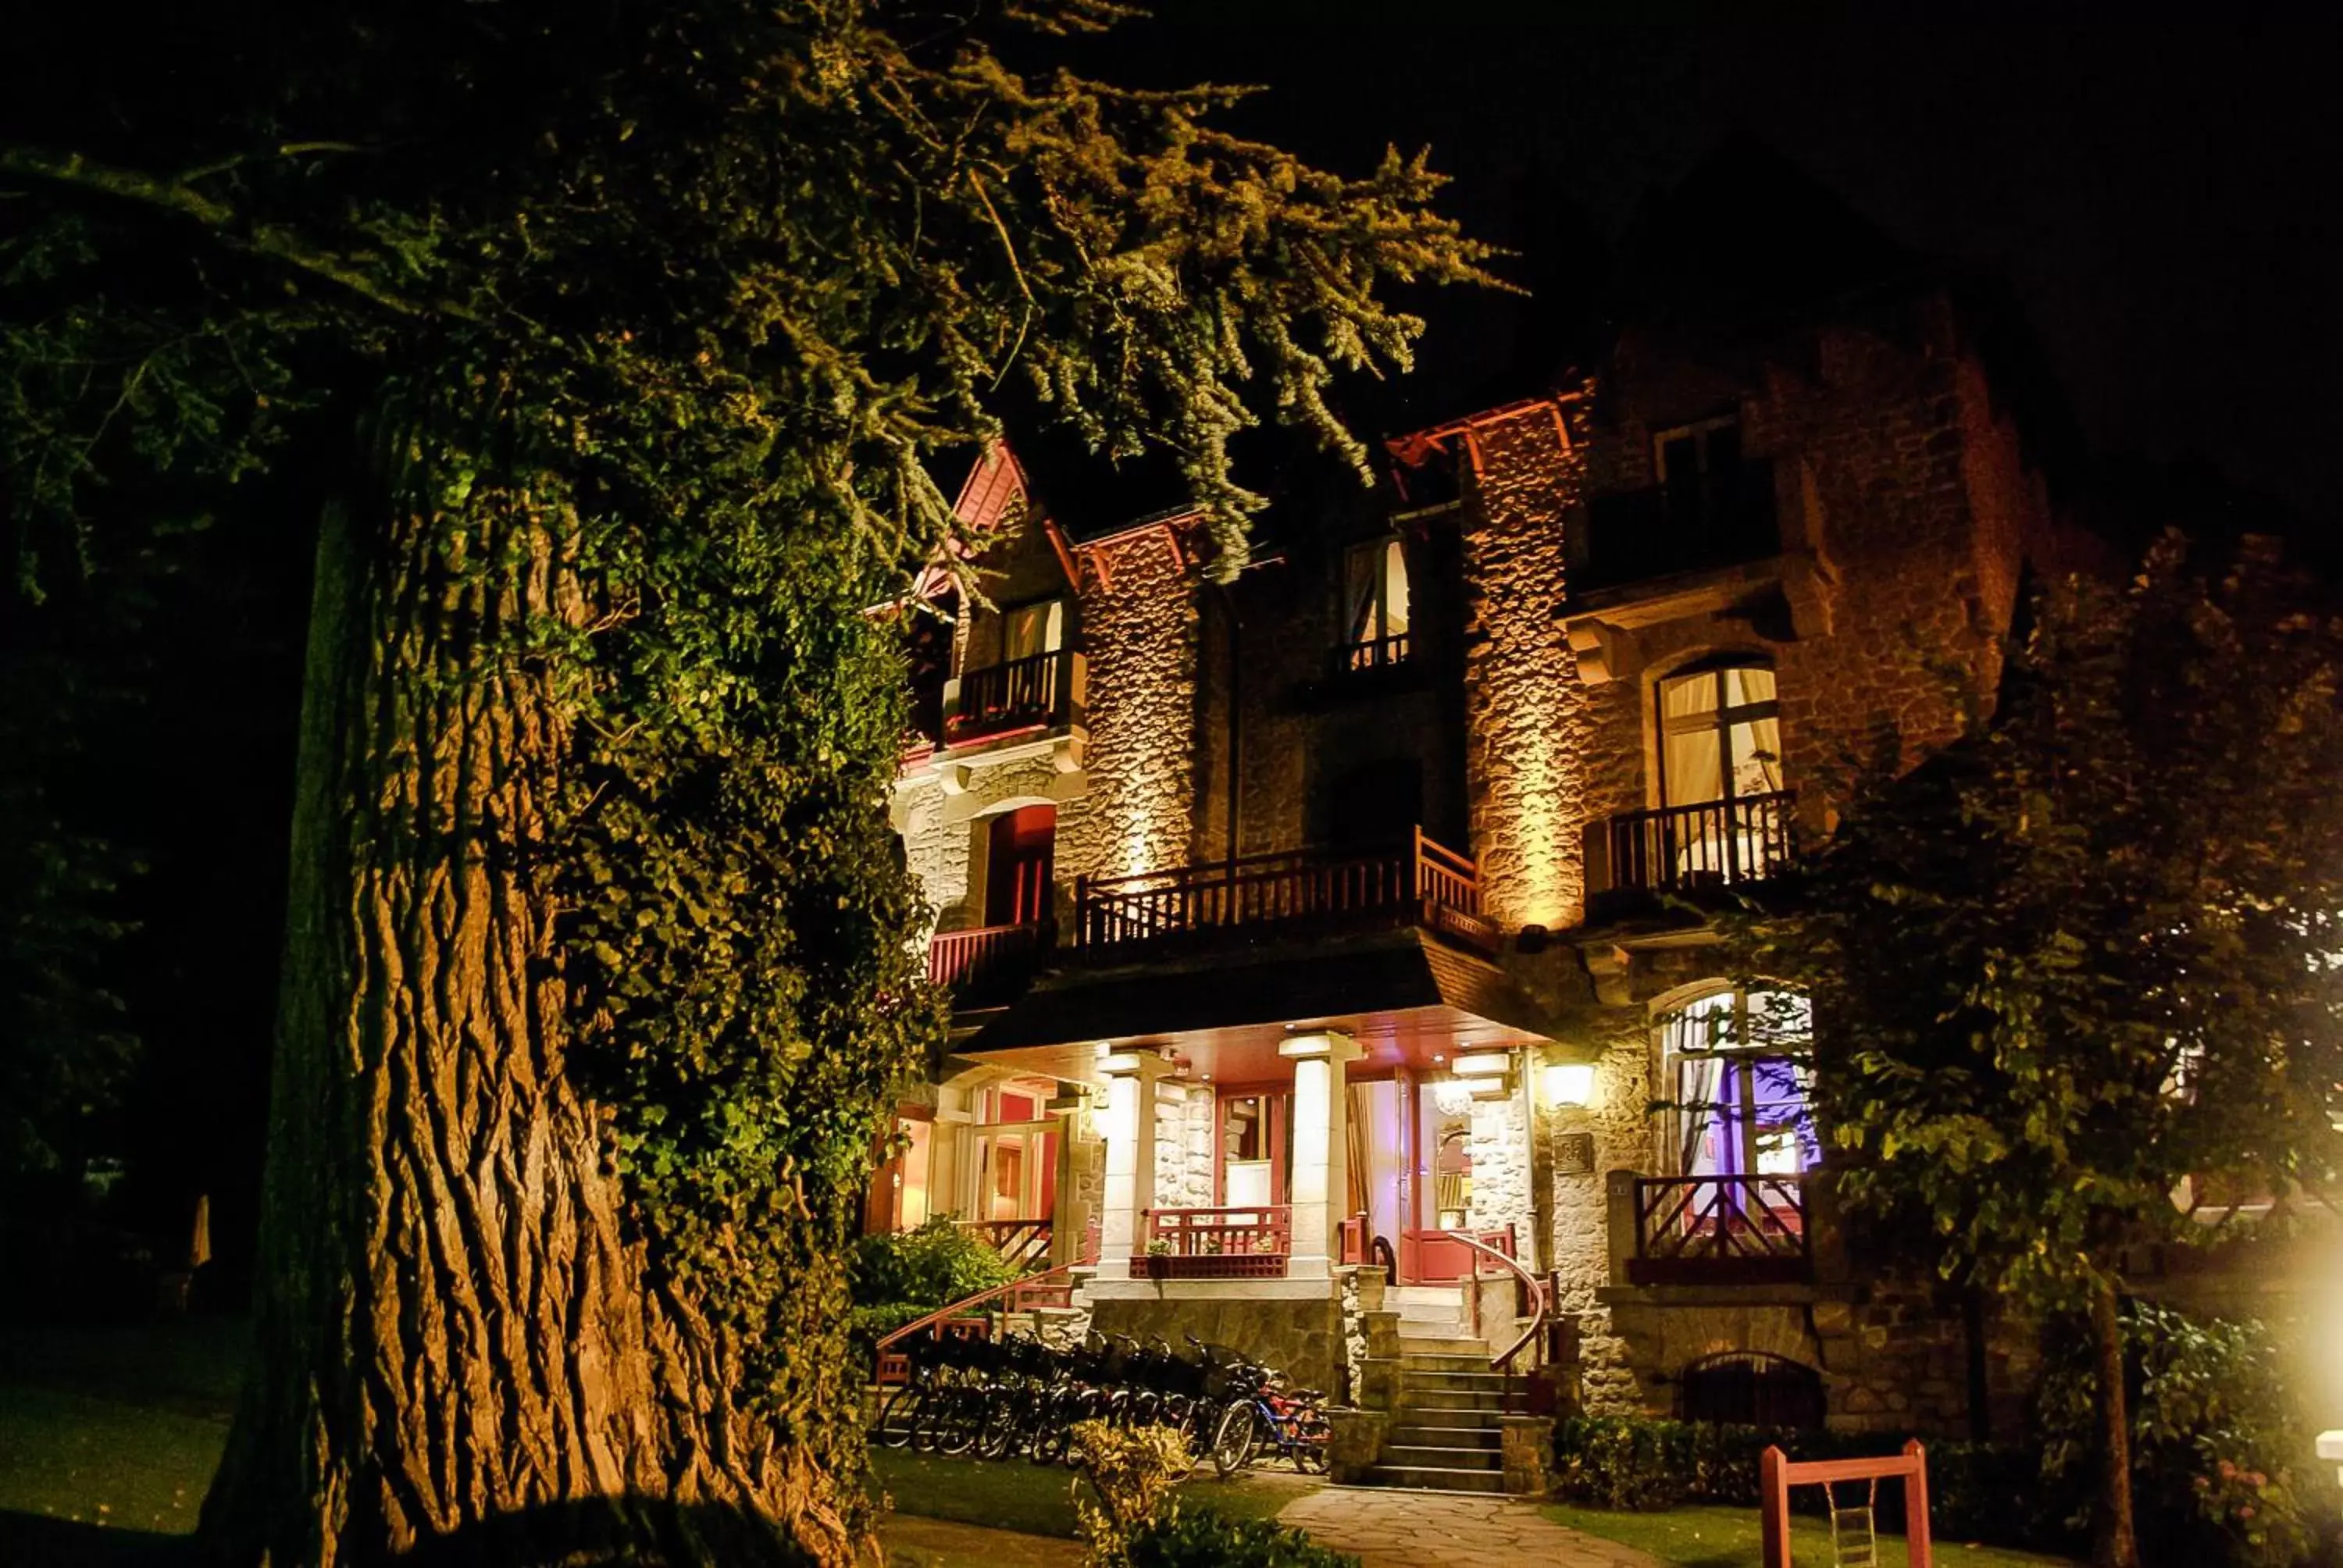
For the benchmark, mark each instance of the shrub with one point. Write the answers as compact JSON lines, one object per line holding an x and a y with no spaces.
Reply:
{"x":938,"y":1264}
{"x":1978,"y":1491}
{"x":2216,"y":1438}
{"x":906,"y":1275}
{"x":1200,"y":1538}
{"x":1134,"y":1474}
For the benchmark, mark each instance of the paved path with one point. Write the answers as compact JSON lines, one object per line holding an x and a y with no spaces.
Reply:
{"x":1387,"y":1527}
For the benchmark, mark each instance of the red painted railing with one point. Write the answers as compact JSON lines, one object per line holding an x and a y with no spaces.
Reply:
{"x":974,"y":1317}
{"x":1419,"y":882}
{"x":1231,"y":1243}
{"x":1527,"y":1291}
{"x":1719,"y":1228}
{"x":984,"y":957}
{"x":1717,"y":843}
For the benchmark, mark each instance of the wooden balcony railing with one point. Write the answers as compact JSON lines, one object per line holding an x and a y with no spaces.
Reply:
{"x":1375,"y":653}
{"x":1720,"y":1230}
{"x":1679,"y":848}
{"x":1022,"y":1243}
{"x":1036,"y":693}
{"x":1416,"y":883}
{"x":985,"y":962}
{"x":1235,"y":1243}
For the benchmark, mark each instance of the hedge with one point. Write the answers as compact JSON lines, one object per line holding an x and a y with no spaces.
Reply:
{"x":1992,"y":1493}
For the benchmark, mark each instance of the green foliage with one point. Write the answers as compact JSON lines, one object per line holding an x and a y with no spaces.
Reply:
{"x":1200,"y":1538}
{"x":2218,"y":1443}
{"x":1133,"y":1475}
{"x":901,"y":1275}
{"x":2086,"y":952}
{"x":653,"y":316}
{"x":1976,"y":1491}
{"x":936,"y":1264}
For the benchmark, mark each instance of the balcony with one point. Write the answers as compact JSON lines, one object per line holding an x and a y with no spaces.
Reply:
{"x":985,"y":966}
{"x":1241,"y":1243}
{"x":1720,"y":1231}
{"x":1685,"y":849}
{"x":1374,"y":653}
{"x":1029,"y":695}
{"x":1293,"y":892}
{"x":1637,"y":535}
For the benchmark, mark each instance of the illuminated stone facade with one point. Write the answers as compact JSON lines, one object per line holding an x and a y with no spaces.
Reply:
{"x":1898,"y":512}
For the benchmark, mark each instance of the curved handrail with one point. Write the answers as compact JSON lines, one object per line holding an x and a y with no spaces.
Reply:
{"x":1021,"y":1283}
{"x":1504,"y":1362}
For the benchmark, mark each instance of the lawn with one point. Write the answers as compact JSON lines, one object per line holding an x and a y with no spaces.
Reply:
{"x":1727,"y":1538}
{"x":1038,"y":1499}
{"x":108,"y":1438}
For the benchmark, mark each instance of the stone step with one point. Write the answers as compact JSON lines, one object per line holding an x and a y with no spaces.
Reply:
{"x":1436,"y":1477}
{"x":1461,"y":1435}
{"x":1410,"y":1456}
{"x":1476,"y":1360}
{"x":1433,"y":1415}
{"x":1456,"y":1377}
{"x":1460,"y":1402}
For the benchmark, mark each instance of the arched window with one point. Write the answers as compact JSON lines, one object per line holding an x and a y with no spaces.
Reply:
{"x":1720,"y":733}
{"x":1740,"y":1081}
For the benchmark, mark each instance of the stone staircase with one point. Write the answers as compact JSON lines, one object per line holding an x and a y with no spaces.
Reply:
{"x":1446,"y":1404}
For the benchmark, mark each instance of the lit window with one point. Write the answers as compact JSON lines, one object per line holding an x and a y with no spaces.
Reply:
{"x":1721,"y":734}
{"x":1737,"y":1063}
{"x":1374,"y":597}
{"x":1033,"y":629}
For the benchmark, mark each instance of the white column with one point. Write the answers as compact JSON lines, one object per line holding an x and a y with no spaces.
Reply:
{"x":1129,"y":1131}
{"x":1321,"y":1156}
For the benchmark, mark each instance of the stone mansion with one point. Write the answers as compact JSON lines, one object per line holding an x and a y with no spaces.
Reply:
{"x":1317,"y":936}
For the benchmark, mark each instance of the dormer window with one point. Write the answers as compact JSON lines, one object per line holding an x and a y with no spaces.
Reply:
{"x":1375,"y":604}
{"x":1720,"y":734}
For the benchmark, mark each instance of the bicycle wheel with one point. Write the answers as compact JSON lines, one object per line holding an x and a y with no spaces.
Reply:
{"x":897,"y":1419}
{"x":1233,"y":1439}
{"x":956,"y":1434}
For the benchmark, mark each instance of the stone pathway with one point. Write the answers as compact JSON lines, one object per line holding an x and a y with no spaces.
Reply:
{"x":1389,"y":1527}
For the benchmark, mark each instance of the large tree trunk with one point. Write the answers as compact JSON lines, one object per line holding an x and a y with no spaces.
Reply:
{"x":2113,"y":1545}
{"x":463,"y":1355}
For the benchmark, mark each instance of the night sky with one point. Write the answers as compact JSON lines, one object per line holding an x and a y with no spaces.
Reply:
{"x":2156,"y":185}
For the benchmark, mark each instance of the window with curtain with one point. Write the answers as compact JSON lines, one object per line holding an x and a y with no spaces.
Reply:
{"x":1375,"y":604}
{"x":1032,"y":628}
{"x":1720,"y":734}
{"x":1736,"y":1063}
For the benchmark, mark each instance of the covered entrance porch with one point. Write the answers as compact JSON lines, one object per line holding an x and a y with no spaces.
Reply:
{"x":1285,"y":1147}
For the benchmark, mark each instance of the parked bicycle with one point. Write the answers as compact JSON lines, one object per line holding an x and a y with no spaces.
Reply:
{"x":994,"y":1401}
{"x":1266,"y":1418}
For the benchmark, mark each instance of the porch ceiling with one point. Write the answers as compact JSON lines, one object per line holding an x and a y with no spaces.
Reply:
{"x":1406,"y":998}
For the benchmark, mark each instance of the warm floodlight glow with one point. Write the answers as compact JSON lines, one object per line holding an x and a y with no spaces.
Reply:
{"x":1482,"y":1064}
{"x":1569,"y":1083}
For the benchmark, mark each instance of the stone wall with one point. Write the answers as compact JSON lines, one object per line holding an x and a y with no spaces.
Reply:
{"x":1301,"y":1335}
{"x":1499,"y":1146}
{"x":1183,"y":1145}
{"x":1525,"y":709}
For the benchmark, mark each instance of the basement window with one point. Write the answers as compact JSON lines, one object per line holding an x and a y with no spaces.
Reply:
{"x":1375,"y":605}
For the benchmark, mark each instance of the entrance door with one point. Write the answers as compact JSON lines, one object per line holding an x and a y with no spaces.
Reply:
{"x":1018,"y":858}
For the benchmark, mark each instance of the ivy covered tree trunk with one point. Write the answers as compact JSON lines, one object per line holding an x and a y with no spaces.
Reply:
{"x":468,"y":1352}
{"x":2114,"y":1544}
